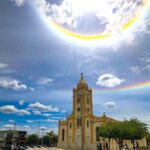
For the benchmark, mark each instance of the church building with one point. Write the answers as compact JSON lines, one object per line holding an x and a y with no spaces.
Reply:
{"x":79,"y":130}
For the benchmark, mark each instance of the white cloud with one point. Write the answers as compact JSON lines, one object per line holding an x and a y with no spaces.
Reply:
{"x":18,"y":2}
{"x":56,"y":117}
{"x":135,"y":69}
{"x":52,"y":120}
{"x":10,"y":109}
{"x":43,"y":108}
{"x":23,"y":112}
{"x":14,"y":84}
{"x":145,"y":59}
{"x":3,"y":65}
{"x":109,"y":80}
{"x":147,"y":67}
{"x":46,"y":115}
{"x":29,"y":121}
{"x":11,"y":121}
{"x":110,"y":104}
{"x":31,"y":89}
{"x":8,"y":126}
{"x":63,"y":111}
{"x":11,"y":126}
{"x":36,"y":112}
{"x":26,"y":128}
{"x":21,"y":102}
{"x":45,"y":81}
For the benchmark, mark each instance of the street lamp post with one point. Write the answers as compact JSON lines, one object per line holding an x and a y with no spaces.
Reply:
{"x":42,"y":135}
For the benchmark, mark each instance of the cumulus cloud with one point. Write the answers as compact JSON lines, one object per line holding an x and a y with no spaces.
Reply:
{"x":12,"y":126}
{"x":23,"y":112}
{"x":18,"y":2}
{"x":21,"y":102}
{"x":3,"y":65}
{"x":36,"y":112}
{"x":110,"y":104}
{"x":14,"y":84}
{"x":8,"y":126}
{"x":44,"y":81}
{"x":43,"y":108}
{"x":109,"y":80}
{"x":26,"y":127}
{"x":10,"y":109}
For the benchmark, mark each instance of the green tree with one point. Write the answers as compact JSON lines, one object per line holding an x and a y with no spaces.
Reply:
{"x":32,"y":139}
{"x":46,"y":140}
{"x":50,"y":139}
{"x":148,"y":138}
{"x":127,"y":130}
{"x":135,"y":130}
{"x":53,"y":138}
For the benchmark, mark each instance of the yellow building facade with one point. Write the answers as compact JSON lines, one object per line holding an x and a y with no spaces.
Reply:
{"x":78,"y":131}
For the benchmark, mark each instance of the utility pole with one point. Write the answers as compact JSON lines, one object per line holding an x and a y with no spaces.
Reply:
{"x":42,"y":135}
{"x":38,"y":129}
{"x":12,"y":145}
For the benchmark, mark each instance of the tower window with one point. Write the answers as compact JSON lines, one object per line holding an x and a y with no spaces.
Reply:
{"x":70,"y":125}
{"x":79,"y":122}
{"x":87,"y":124}
{"x":88,"y":109}
{"x":78,"y":100}
{"x":88,"y":101}
{"x":63,"y":135}
{"x":78,"y":109}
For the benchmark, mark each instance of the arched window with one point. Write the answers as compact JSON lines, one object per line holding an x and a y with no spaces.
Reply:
{"x":79,"y":122}
{"x":88,"y":101}
{"x":78,"y":100}
{"x":78,"y":109}
{"x":70,"y":125}
{"x":97,"y":134}
{"x":63,"y":135}
{"x":87,"y":123}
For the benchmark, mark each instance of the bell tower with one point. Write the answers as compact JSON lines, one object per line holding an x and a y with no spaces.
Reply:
{"x":82,"y":100}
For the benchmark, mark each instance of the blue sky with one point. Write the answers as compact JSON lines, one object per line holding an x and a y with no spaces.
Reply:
{"x":39,"y":68}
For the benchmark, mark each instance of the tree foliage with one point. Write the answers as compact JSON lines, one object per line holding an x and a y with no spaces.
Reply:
{"x":127,"y":130}
{"x":32,"y":139}
{"x":50,"y":139}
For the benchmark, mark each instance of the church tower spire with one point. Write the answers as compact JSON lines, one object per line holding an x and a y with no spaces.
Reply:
{"x":82,"y":83}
